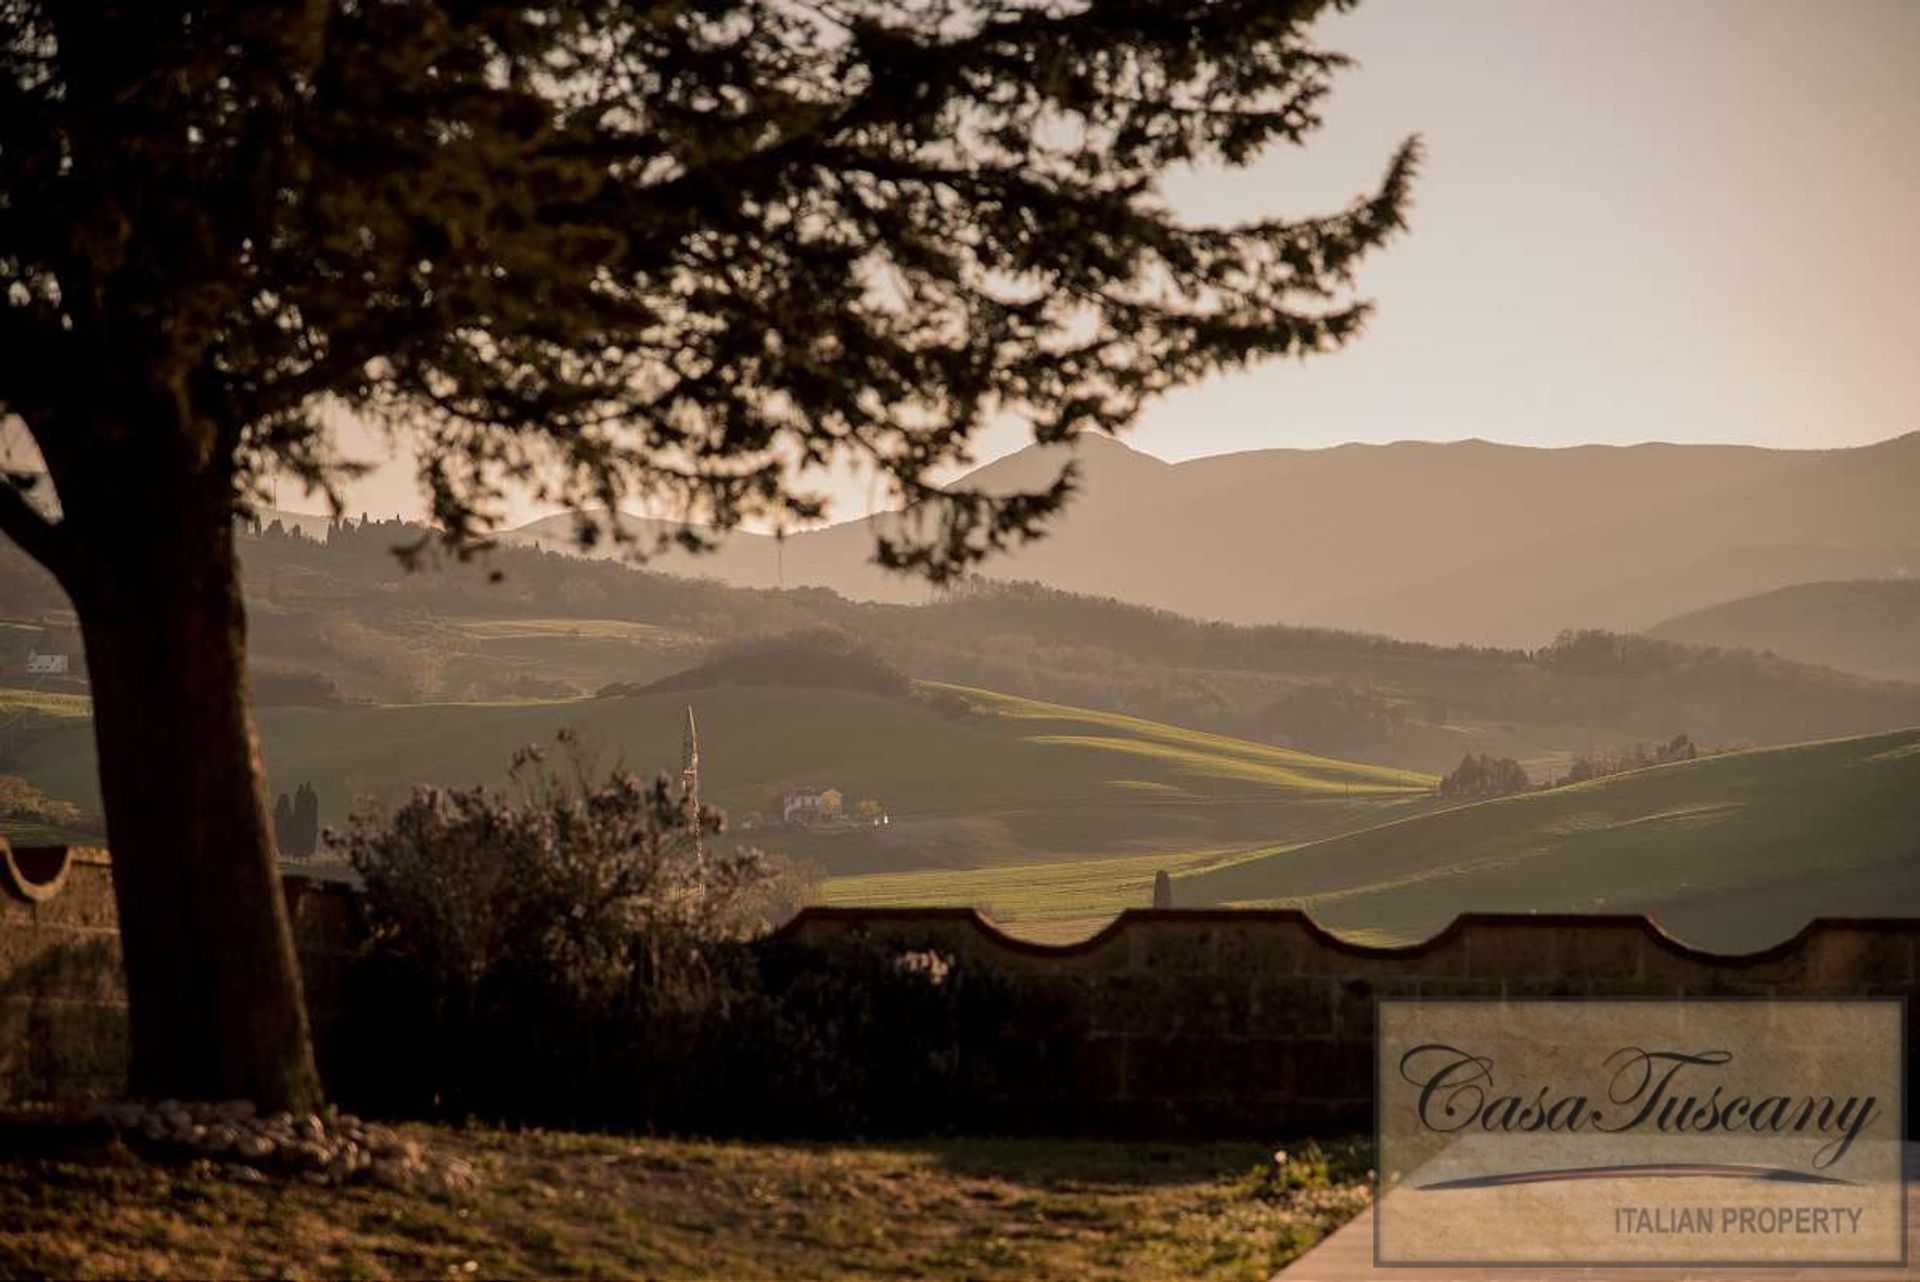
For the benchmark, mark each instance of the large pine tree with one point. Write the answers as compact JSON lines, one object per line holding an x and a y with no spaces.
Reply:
{"x":610,"y":253}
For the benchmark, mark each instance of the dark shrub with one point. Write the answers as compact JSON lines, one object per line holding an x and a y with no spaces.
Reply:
{"x":577,"y":955}
{"x":1482,"y":776}
{"x":825,"y":658}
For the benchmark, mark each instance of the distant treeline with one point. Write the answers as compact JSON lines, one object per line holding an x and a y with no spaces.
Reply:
{"x":1479,"y":775}
{"x":341,"y":608}
{"x":1599,"y":764}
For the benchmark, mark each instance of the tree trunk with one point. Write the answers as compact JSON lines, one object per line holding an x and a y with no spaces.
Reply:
{"x":213,"y":985}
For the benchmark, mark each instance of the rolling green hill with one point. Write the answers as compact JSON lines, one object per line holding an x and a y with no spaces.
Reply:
{"x":1733,"y":851}
{"x":969,"y":777}
{"x":339,"y":619}
{"x":1055,"y":817}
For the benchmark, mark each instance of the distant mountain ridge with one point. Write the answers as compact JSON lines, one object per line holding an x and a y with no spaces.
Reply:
{"x":1466,"y":541}
{"x":1868,"y":626}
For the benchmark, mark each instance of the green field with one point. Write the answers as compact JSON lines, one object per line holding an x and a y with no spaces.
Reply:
{"x":1013,"y":781}
{"x":1054,"y":818}
{"x":1730,"y":852}
{"x":24,"y":716}
{"x":44,"y":703}
{"x":1071,"y":897}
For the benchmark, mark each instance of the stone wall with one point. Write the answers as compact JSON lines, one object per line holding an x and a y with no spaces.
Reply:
{"x":63,"y":1004}
{"x":1259,"y":1022}
{"x":1167,"y":1022}
{"x":63,"y":999}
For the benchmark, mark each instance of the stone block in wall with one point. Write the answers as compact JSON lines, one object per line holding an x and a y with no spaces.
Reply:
{"x":1719,"y":981}
{"x":1257,"y":1070}
{"x":61,"y":1051}
{"x":1444,"y":958}
{"x":1168,"y":944}
{"x":1667,"y":967}
{"x":75,"y":965}
{"x":1459,"y":986}
{"x":1600,"y":952}
{"x":1092,"y":1068}
{"x":1858,"y":960}
{"x":1293,"y":1006}
{"x":1170,"y":1003}
{"x":1053,"y":1006}
{"x":1524,"y":986}
{"x":1210,"y":1005}
{"x":1504,"y":950}
{"x":1262,"y":945}
{"x":1354,"y":1001}
{"x":1331,"y":1070}
{"x":1123,"y":1004}
{"x":1166,"y":1068}
{"x":1618,"y":988}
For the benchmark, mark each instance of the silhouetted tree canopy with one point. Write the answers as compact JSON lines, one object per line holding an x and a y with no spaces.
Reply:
{"x":657,"y":251}
{"x":608,"y":254}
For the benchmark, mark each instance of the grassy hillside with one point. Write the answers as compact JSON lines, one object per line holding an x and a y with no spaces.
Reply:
{"x":339,"y":618}
{"x":1057,"y":901}
{"x":990,"y":778}
{"x":1869,"y":626}
{"x":1055,"y":817}
{"x":1731,"y":852}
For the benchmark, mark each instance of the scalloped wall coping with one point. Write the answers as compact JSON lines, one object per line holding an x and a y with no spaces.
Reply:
{"x":38,"y":873}
{"x":1647,"y":925}
{"x":1166,"y":1023}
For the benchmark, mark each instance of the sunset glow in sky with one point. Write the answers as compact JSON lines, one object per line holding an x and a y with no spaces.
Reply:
{"x":1644,"y":220}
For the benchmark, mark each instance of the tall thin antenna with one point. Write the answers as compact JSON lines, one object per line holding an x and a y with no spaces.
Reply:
{"x":690,"y":783}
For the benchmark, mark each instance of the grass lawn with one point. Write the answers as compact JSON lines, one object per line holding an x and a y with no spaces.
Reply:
{"x":554,"y":1204}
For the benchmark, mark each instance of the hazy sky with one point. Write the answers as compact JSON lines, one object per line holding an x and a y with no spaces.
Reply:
{"x":1681,"y":220}
{"x":1688,"y":220}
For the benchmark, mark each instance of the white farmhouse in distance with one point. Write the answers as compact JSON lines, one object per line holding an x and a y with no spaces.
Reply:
{"x":46,"y":665}
{"x":808,"y":805}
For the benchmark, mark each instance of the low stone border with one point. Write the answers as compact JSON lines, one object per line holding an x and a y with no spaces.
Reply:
{"x":337,"y":1148}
